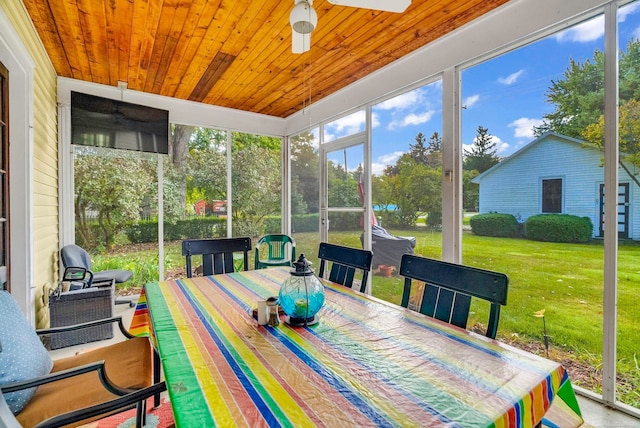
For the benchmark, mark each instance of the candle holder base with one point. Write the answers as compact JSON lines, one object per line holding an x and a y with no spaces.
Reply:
{"x":301,"y":321}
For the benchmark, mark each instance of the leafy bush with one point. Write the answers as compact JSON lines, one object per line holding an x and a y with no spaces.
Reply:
{"x":434,"y":219}
{"x":144,"y":231}
{"x":272,"y":224}
{"x":196,"y":227}
{"x":247,"y":227}
{"x":305,"y":223}
{"x":558,"y":228}
{"x":494,"y":224}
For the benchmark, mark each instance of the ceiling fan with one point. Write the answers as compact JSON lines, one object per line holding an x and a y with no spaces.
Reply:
{"x":303,"y":17}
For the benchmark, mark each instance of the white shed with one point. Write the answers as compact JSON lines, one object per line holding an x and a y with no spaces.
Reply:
{"x":559,"y":174}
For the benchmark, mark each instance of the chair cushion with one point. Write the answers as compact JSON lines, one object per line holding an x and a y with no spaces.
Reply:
{"x":22,"y":355}
{"x":128,"y":364}
{"x":119,"y":275}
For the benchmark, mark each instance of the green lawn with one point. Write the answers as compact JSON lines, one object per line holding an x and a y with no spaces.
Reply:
{"x":564,"y":279}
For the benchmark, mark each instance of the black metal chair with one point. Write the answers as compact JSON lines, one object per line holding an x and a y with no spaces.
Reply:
{"x":344,"y":263}
{"x":79,"y":388}
{"x":448,"y":288}
{"x":217,"y":254}
{"x":75,"y":258}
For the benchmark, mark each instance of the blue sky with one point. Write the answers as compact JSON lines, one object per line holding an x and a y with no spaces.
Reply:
{"x":505,"y":94}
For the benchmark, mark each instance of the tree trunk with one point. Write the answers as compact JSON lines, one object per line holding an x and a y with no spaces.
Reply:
{"x":179,"y":150}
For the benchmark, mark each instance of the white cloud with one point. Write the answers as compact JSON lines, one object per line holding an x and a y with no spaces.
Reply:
{"x":346,"y":125}
{"x":401,"y":102}
{"x":510,"y":79}
{"x":470,"y":101}
{"x":377,"y":168}
{"x":586,"y":32}
{"x":524,"y":127}
{"x":390,"y":158}
{"x":594,"y":28}
{"x":501,"y":146}
{"x":375,"y":120}
{"x":411,"y":119}
{"x":466,"y":148}
{"x":625,"y":11}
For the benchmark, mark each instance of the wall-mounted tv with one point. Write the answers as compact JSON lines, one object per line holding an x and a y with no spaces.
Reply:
{"x":103,"y":122}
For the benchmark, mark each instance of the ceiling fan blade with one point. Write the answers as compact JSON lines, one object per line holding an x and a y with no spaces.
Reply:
{"x":300,"y":43}
{"x":385,"y":5}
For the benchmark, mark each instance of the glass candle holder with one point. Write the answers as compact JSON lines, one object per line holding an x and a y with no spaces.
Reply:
{"x":301,"y":296}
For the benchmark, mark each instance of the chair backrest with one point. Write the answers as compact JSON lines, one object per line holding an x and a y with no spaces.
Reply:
{"x":217,"y":254}
{"x":344,"y":263}
{"x":280,"y":249}
{"x":449,"y":287}
{"x":75,"y":259}
{"x":74,"y":256}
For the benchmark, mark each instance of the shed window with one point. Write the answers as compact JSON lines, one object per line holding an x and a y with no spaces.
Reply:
{"x":552,"y":195}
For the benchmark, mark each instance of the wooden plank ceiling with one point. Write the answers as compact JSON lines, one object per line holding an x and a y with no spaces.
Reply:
{"x":235,"y":53}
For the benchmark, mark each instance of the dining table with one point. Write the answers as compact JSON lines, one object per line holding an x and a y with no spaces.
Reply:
{"x":366,"y":362}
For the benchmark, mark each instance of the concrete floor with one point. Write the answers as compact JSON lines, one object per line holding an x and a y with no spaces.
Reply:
{"x":593,"y":413}
{"x":599,"y":416}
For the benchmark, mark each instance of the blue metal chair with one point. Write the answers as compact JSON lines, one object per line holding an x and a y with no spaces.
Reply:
{"x":276,"y":249}
{"x":448,"y":288}
{"x":217,"y":254}
{"x":345,"y":261}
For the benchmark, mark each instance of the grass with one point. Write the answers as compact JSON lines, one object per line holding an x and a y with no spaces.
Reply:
{"x":564,"y":279}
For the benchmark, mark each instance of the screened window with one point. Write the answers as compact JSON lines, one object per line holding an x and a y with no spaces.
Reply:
{"x":552,"y":195}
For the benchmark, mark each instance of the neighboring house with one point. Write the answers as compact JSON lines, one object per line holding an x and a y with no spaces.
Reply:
{"x":559,"y":174}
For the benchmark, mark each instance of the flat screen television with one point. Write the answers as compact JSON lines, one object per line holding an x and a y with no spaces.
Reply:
{"x":103,"y":122}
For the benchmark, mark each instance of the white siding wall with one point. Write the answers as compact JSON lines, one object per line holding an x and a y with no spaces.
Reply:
{"x":36,"y":216}
{"x":515,"y":185}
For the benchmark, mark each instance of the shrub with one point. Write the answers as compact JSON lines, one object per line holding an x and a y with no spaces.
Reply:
{"x":558,"y":228}
{"x":305,"y":223}
{"x":494,"y":224}
{"x":195,"y":227}
{"x":434,"y":219}
{"x":272,"y":224}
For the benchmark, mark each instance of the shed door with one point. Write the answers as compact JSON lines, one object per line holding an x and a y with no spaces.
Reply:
{"x":623,"y":210}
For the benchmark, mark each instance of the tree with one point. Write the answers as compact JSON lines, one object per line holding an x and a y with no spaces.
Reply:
{"x":416,"y":189}
{"x":382,"y":194}
{"x":110,"y":184}
{"x":256,"y":182}
{"x":629,"y":135}
{"x":413,"y":184}
{"x":429,"y":154}
{"x":578,"y":98}
{"x":470,"y":191}
{"x":419,"y":151}
{"x":207,"y":173}
{"x":482,"y":155}
{"x":578,"y":101}
{"x":305,"y":173}
{"x":179,"y":155}
{"x":434,"y":151}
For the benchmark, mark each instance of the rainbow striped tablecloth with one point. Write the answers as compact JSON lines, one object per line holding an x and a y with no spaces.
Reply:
{"x":366,"y":363}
